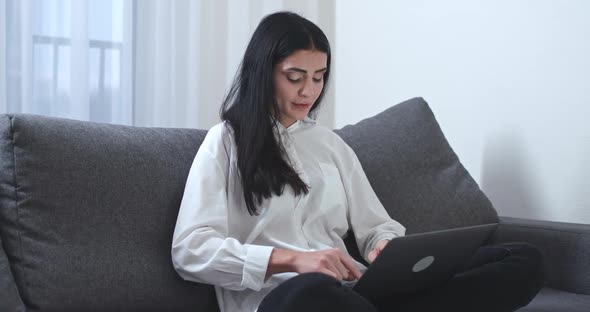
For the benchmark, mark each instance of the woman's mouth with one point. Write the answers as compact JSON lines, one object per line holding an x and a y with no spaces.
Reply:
{"x":302,"y":106}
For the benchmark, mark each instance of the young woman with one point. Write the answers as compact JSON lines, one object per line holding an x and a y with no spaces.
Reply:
{"x":271,"y":194}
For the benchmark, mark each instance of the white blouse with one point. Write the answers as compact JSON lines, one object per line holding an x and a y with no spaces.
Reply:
{"x":216,"y":241}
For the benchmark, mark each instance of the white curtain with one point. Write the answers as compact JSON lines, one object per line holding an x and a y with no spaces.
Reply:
{"x":67,"y":58}
{"x":138,"y":62}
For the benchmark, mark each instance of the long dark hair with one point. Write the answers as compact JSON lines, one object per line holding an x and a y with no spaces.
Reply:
{"x":251,"y":102}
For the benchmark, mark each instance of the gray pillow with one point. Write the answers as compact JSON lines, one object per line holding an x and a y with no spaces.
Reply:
{"x":414,"y":172}
{"x":88,"y":212}
{"x":9,"y":297}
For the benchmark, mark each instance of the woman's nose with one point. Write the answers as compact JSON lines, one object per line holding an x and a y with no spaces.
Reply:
{"x":308,"y":89}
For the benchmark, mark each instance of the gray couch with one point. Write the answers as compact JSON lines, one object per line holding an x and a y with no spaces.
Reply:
{"x":87,"y":210}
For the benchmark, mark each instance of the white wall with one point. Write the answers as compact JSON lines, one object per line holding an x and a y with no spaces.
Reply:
{"x":509,"y":82}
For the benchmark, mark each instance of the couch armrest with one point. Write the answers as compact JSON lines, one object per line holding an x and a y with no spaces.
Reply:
{"x":565,"y":247}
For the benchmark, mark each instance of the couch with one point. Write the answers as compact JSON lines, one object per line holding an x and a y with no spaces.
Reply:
{"x":87,"y":210}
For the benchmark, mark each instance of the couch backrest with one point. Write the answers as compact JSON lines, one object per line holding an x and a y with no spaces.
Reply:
{"x":87,"y":213}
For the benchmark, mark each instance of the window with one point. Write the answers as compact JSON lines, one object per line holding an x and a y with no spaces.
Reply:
{"x":80,"y":58}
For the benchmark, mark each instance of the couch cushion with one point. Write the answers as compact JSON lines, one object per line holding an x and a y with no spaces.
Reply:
{"x":9,"y":296}
{"x":88,"y":212}
{"x":553,"y":300}
{"x":414,"y":172}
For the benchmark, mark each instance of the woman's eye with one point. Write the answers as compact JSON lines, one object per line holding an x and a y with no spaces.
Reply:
{"x":293,"y":79}
{"x":299,"y":79}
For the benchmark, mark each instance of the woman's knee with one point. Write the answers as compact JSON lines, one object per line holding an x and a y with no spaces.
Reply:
{"x":515,"y":251}
{"x":520,"y":263}
{"x":525,"y":254}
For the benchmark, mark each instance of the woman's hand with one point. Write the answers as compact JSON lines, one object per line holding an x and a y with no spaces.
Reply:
{"x":377,"y":250}
{"x":332,"y":262}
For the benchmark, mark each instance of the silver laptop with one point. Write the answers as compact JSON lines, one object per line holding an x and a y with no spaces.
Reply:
{"x":418,"y":262}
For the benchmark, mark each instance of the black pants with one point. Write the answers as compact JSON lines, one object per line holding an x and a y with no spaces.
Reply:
{"x":498,"y":278}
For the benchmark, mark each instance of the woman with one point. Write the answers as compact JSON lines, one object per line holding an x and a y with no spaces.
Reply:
{"x":270,"y":194}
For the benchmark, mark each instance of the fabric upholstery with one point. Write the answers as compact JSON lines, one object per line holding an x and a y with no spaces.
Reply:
{"x":553,"y":300}
{"x":414,"y":172}
{"x":565,"y":247}
{"x":9,"y":296}
{"x":90,"y":224}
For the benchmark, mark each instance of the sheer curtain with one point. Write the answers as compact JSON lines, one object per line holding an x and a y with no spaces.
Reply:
{"x":146,"y":63}
{"x":187,"y":53}
{"x":68,"y":58}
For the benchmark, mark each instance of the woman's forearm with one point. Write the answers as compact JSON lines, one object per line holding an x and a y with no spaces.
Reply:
{"x":281,"y":261}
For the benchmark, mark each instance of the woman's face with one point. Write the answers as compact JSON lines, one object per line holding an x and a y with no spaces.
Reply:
{"x":298,"y":82}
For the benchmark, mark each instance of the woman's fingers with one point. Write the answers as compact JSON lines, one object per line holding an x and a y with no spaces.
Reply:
{"x":329,"y":272}
{"x":351,"y":267}
{"x":333,"y":262}
{"x":341,"y":266}
{"x":377,"y":250}
{"x":372,"y":255}
{"x":345,"y":265}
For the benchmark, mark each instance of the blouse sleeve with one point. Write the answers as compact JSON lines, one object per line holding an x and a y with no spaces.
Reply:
{"x":368,"y":218}
{"x":202,"y":251}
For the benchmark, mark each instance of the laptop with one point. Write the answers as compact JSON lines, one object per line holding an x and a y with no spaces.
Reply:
{"x":417,"y":262}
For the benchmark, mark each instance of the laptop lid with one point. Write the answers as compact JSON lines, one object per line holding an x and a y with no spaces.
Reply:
{"x":417,"y":262}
